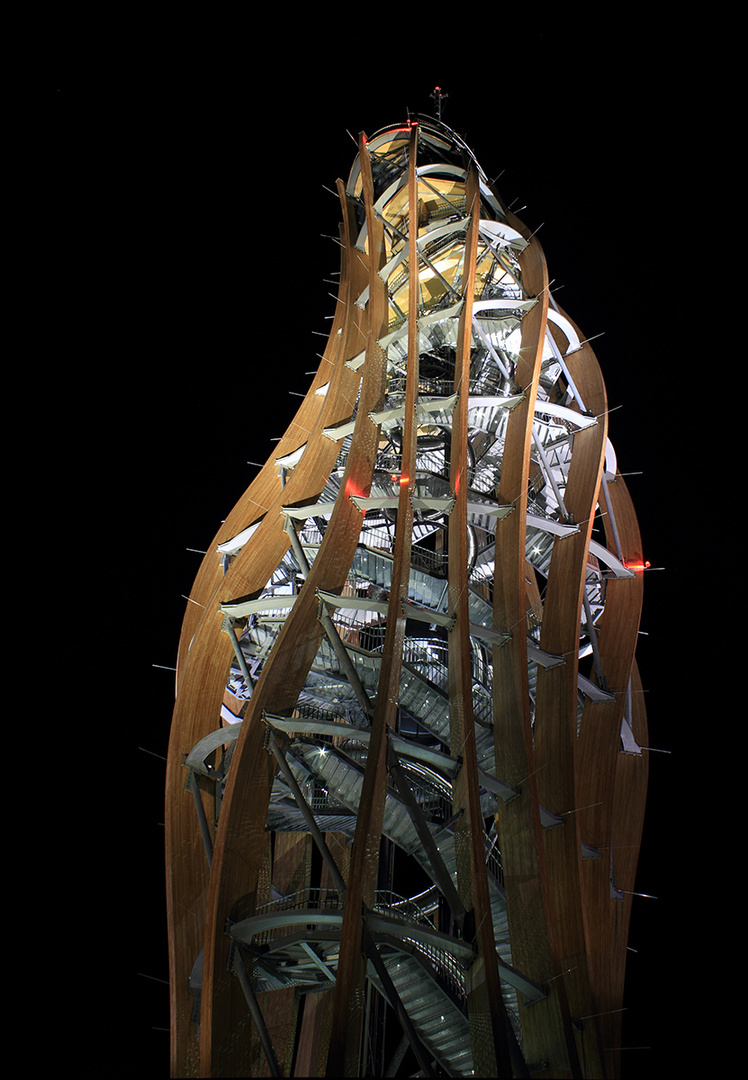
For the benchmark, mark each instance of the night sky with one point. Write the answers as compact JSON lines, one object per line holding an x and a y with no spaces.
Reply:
{"x":185,"y":258}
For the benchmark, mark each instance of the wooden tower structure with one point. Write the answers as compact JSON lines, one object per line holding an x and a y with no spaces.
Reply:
{"x":405,"y":787}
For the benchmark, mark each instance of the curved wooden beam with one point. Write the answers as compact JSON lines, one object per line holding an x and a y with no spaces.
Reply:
{"x":555,"y":733}
{"x":630,"y":796}
{"x":206,"y":658}
{"x":603,"y":773}
{"x":518,"y":821}
{"x":239,"y":841}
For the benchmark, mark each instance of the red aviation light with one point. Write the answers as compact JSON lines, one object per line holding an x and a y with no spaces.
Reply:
{"x":637,"y":565}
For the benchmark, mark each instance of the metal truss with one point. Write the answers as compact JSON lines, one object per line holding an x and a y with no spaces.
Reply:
{"x":405,"y":786}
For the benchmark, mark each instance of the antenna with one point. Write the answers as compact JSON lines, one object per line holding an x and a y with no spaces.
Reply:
{"x":438,"y":95}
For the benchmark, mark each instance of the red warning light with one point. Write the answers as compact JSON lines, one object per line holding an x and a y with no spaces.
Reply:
{"x":637,"y":565}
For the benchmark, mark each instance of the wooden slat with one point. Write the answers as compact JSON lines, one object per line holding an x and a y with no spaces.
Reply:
{"x":632,"y":774}
{"x":602,"y":772}
{"x":555,"y":733}
{"x":519,"y":827}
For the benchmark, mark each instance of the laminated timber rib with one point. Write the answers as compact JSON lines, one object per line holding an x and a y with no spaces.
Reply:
{"x":405,"y":784}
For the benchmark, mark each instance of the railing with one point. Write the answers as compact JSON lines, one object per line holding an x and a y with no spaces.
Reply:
{"x":333,"y":713}
{"x":431,"y":660}
{"x":433,"y":562}
{"x":305,"y":899}
{"x":485,"y":377}
{"x":434,"y":387}
{"x":388,"y":902}
{"x":310,"y":534}
{"x":434,"y":801}
{"x":447,"y":971}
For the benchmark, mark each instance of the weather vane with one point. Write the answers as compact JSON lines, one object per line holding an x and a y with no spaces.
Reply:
{"x":438,"y":96}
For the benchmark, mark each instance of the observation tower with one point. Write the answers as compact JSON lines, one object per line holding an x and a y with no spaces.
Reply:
{"x":405,"y":788}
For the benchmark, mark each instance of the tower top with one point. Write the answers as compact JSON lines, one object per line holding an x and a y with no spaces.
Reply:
{"x":438,"y":95}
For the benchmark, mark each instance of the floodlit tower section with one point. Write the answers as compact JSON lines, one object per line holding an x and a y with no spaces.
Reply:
{"x":405,"y":787}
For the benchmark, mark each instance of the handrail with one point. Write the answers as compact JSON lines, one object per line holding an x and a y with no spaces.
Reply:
{"x":447,"y":970}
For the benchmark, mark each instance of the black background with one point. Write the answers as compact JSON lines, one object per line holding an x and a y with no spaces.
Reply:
{"x":185,"y":244}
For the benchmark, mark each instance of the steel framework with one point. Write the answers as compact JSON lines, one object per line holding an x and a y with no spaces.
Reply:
{"x":405,"y":787}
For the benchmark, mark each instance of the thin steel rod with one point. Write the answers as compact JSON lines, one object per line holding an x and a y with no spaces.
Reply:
{"x":441,"y":875}
{"x":254,"y":1008}
{"x":229,"y":628}
{"x":303,"y":805}
{"x":201,"y":817}
{"x":371,"y":951}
